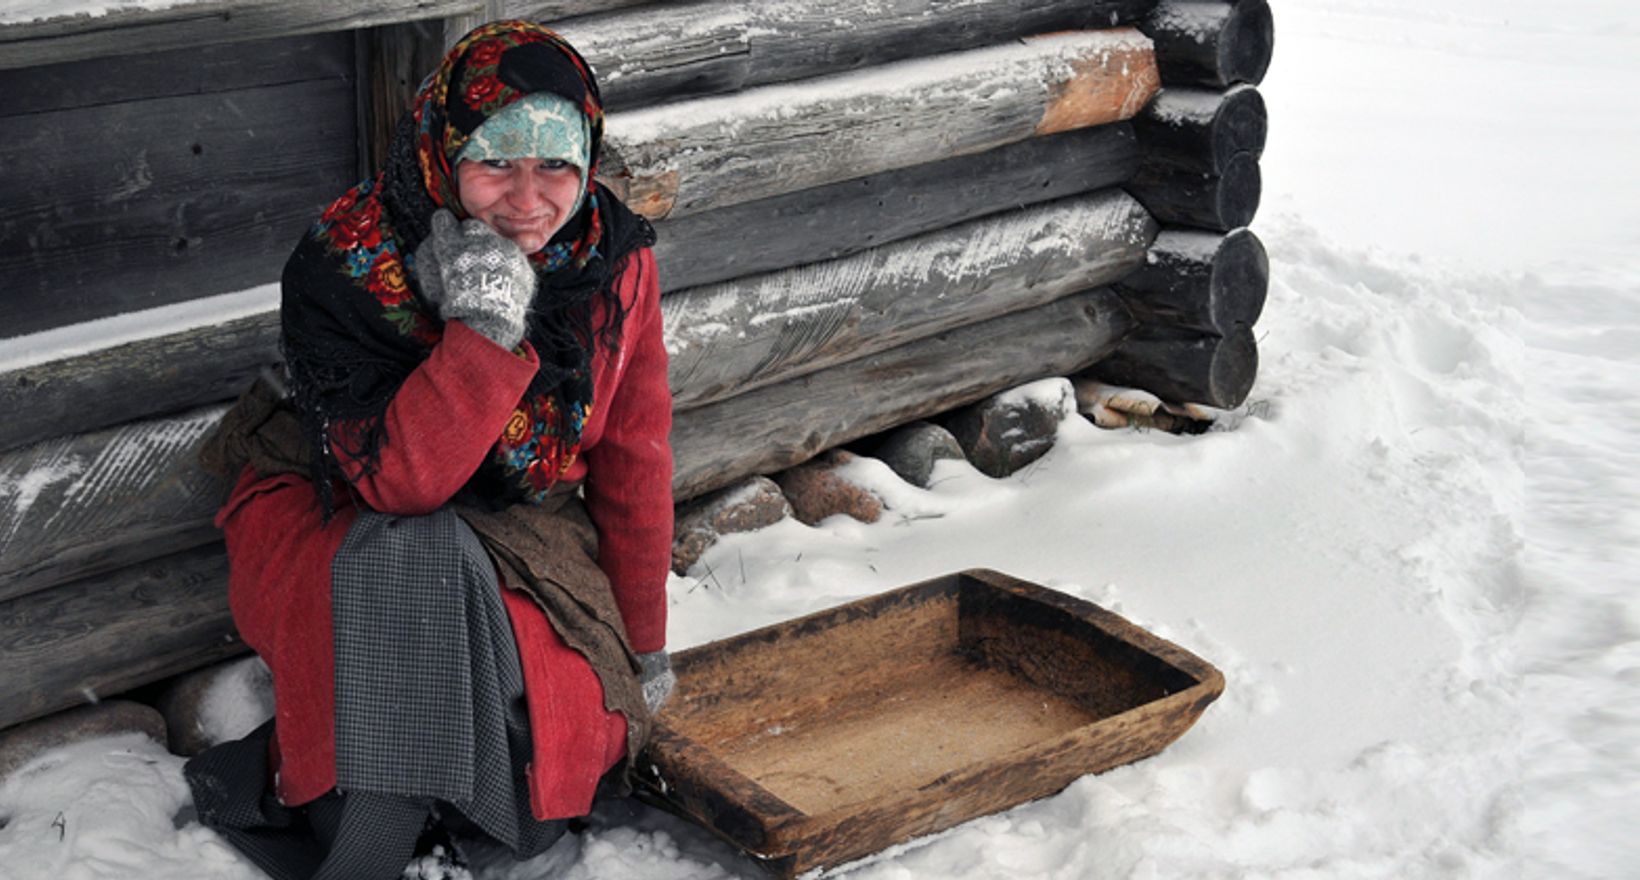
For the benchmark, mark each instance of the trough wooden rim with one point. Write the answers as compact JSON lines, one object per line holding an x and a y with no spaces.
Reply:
{"x":776,"y":832}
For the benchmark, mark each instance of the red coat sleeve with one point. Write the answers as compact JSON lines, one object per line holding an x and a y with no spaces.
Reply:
{"x":442,"y":422}
{"x":629,"y":471}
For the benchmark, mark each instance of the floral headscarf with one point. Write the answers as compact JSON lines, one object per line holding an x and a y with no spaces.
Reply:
{"x":354,"y":326}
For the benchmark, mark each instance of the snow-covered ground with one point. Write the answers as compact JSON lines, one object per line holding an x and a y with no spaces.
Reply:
{"x":1412,"y":552}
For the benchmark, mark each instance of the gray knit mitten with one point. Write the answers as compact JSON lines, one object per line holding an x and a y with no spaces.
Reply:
{"x":657,"y":679}
{"x":473,"y":274}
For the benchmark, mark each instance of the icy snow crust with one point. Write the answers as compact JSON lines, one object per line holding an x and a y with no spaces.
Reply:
{"x":1412,"y":552}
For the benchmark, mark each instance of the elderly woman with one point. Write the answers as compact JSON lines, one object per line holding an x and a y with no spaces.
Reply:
{"x":449,"y":537}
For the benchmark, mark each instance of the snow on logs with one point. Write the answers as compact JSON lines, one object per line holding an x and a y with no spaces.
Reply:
{"x":726,"y":339}
{"x":832,"y":221}
{"x":1213,"y":43}
{"x":683,"y":158}
{"x":677,"y":50}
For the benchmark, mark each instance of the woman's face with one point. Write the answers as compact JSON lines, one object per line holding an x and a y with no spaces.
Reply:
{"x":526,"y":200}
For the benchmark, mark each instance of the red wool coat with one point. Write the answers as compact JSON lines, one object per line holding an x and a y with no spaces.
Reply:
{"x":442,"y":424}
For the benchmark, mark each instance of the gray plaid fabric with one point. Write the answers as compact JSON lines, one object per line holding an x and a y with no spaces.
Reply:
{"x":429,"y":691}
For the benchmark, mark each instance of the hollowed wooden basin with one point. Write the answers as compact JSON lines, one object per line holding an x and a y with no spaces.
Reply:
{"x":823,"y":739}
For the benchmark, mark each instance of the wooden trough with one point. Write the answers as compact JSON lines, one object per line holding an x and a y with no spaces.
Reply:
{"x":820,"y":740}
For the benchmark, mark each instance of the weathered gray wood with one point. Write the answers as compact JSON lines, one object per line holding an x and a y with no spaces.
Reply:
{"x":192,"y":368}
{"x":135,"y":381}
{"x":192,"y":196}
{"x":1203,"y":129}
{"x":459,"y":22}
{"x":695,"y":155}
{"x":781,"y":425}
{"x":136,"y":29}
{"x":552,"y":11}
{"x":108,"y":634}
{"x":1220,"y":202}
{"x":93,"y":502}
{"x":726,"y":339}
{"x":191,"y":71}
{"x":1183,"y":367}
{"x":1200,"y":281}
{"x":843,"y":218}
{"x":1212,"y":43}
{"x":674,"y":50}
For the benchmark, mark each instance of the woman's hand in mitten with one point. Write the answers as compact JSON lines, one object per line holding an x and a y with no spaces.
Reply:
{"x":657,"y":679}
{"x":473,"y":274}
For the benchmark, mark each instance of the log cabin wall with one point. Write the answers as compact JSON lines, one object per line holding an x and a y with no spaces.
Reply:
{"x":936,"y":201}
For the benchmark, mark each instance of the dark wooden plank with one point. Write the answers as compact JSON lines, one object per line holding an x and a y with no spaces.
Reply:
{"x":1203,"y":129}
{"x":140,"y":204}
{"x":1220,"y":202}
{"x":393,"y":60}
{"x":108,"y":634}
{"x":1183,"y":367}
{"x":551,"y":11}
{"x":726,"y":339}
{"x":94,"y":502}
{"x":137,"y":380}
{"x":696,"y":155}
{"x":839,"y":219}
{"x":675,"y":50}
{"x":192,"y":71}
{"x":136,"y":29}
{"x":1213,"y":43}
{"x":1200,"y":281}
{"x":780,"y":425}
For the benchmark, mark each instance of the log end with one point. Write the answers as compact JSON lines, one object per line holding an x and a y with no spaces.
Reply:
{"x":1241,"y":124}
{"x":1247,"y":43}
{"x":1109,"y":86}
{"x":1235,"y":366}
{"x":1237,"y":196}
{"x":1240,"y":281}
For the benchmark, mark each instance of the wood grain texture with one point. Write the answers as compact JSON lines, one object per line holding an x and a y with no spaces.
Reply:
{"x":1200,"y":281}
{"x":839,"y":219}
{"x":1220,"y":202}
{"x":137,"y":29}
{"x":192,"y":71}
{"x":108,"y":634}
{"x":726,"y":339}
{"x":1184,"y":367}
{"x":819,"y":740}
{"x":393,"y":59}
{"x":780,"y":425}
{"x":139,"y":380}
{"x":93,"y":502}
{"x":552,"y":11}
{"x":672,"y":51}
{"x":1202,"y":130}
{"x":196,"y":195}
{"x":1213,"y":43}
{"x":696,"y":155}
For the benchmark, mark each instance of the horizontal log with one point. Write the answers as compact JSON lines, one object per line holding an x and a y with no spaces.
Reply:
{"x":196,"y":70}
{"x":833,"y":221}
{"x":1220,"y":202}
{"x":1200,"y":281}
{"x":1202,"y":130}
{"x":1182,"y":367}
{"x":1213,"y":43}
{"x":108,"y":634}
{"x":137,"y":380}
{"x":26,"y":41}
{"x":725,"y":339}
{"x":93,"y":502}
{"x":197,"y":195}
{"x":551,"y":11}
{"x":192,"y":368}
{"x":692,"y":156}
{"x":676,"y":50}
{"x":781,"y":425}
